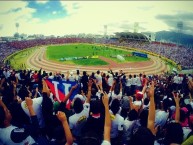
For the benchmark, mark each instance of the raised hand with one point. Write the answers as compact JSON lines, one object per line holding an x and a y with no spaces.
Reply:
{"x":176,"y":98}
{"x":74,"y":87}
{"x":61,"y":116}
{"x":105,"y":99}
{"x":151,"y":89}
{"x":190,"y":86}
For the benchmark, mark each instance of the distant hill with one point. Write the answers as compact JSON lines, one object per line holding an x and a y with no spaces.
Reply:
{"x":175,"y":37}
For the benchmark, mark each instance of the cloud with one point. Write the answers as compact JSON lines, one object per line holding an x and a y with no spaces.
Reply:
{"x":72,"y":17}
{"x":47,"y":11}
{"x":172,"y":20}
{"x":6,"y":6}
{"x":71,"y":7}
{"x":41,"y":1}
{"x":54,"y":12}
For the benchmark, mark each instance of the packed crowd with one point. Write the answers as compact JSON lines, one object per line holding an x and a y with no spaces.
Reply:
{"x":5,"y":50}
{"x":110,"y":108}
{"x":179,"y":54}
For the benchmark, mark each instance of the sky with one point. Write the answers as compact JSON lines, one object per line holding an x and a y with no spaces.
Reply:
{"x":55,"y":17}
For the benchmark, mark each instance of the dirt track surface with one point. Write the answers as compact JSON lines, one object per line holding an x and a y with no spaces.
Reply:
{"x":154,"y":66}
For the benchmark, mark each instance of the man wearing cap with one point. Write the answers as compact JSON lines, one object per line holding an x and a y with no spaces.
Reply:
{"x":137,"y":104}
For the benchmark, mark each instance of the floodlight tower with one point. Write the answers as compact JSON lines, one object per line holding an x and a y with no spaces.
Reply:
{"x":153,"y":36}
{"x":105,"y":31}
{"x":136,"y":27}
{"x":179,"y":30}
{"x":17,"y":26}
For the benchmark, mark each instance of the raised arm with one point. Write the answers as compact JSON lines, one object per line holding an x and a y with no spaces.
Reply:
{"x":90,"y":82}
{"x":111,"y":72}
{"x":98,"y":87}
{"x":70,"y":93}
{"x":131,"y":102}
{"x":151,"y":115}
{"x":113,"y":86}
{"x":2,"y":104}
{"x":36,"y":93}
{"x":14,"y":88}
{"x":68,"y":135}
{"x":177,"y":101}
{"x":45,"y":88}
{"x":107,"y":126}
{"x":144,"y":87}
{"x":190,"y":95}
{"x":121,"y":86}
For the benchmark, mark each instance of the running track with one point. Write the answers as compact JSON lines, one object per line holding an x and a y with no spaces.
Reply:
{"x":38,"y":60}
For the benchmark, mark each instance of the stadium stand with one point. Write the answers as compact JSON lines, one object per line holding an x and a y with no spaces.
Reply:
{"x":179,"y":54}
{"x":134,"y":109}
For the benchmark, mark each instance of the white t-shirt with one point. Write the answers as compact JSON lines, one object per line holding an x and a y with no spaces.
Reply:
{"x":5,"y":137}
{"x":98,"y":78}
{"x":105,"y":142}
{"x":128,"y":83}
{"x":110,"y":81}
{"x":117,"y":125}
{"x":138,"y":81}
{"x":71,"y":78}
{"x":17,"y":75}
{"x":77,"y":121}
{"x":51,"y":77}
{"x":133,"y":81}
{"x":186,"y":131}
{"x":180,"y":80}
{"x":161,"y":118}
{"x":138,"y":103}
{"x":114,"y":96}
{"x":6,"y":74}
{"x":37,"y":102}
{"x":127,"y":124}
{"x":176,"y":79}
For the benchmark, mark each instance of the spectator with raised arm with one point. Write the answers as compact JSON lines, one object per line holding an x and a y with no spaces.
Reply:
{"x":68,"y":135}
{"x":174,"y":131}
{"x":12,"y":135}
{"x":78,"y":120}
{"x":107,"y":126}
{"x":146,"y":135}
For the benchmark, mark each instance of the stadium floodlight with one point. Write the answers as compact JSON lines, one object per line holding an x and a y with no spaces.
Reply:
{"x":105,"y":31}
{"x":179,"y":31}
{"x":180,"y":26}
{"x":136,"y":27}
{"x":17,"y":26}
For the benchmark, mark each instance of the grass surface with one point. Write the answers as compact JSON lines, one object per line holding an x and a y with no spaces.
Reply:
{"x":83,"y":50}
{"x":18,"y":60}
{"x":54,"y":53}
{"x":90,"y":62}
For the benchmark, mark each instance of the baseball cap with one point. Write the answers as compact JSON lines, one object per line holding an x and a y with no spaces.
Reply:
{"x":139,"y":95}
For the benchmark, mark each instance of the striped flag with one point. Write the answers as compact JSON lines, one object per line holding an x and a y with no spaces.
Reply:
{"x":61,"y":88}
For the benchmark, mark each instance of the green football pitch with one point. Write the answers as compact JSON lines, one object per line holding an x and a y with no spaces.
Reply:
{"x":56,"y":52}
{"x":61,"y":52}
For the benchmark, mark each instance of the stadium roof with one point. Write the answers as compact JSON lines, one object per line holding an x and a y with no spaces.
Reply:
{"x":132,"y":36}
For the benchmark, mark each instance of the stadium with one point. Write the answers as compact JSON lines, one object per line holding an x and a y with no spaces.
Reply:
{"x":72,"y":75}
{"x":38,"y":58}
